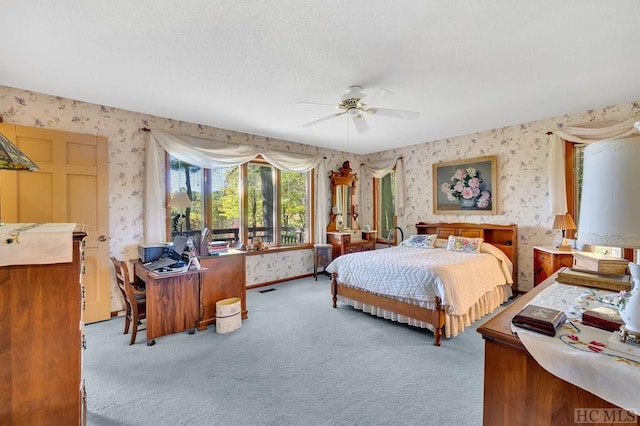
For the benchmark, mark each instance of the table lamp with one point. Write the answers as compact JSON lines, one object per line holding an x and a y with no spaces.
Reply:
{"x":179,"y":201}
{"x":11,"y":158}
{"x":610,"y":209}
{"x":564,"y":222}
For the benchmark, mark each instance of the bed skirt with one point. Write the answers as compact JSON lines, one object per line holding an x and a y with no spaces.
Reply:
{"x":454,"y":324}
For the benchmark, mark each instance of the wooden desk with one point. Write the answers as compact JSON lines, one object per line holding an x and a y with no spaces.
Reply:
{"x":517,"y":390}
{"x":172,"y":300}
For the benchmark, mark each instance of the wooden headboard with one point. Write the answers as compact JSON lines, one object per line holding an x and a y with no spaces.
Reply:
{"x":504,"y":237}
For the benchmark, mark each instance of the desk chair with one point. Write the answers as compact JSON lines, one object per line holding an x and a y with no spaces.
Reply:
{"x":134,"y":300}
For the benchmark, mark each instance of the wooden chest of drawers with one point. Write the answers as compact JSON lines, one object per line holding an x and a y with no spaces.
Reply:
{"x":547,"y":260}
{"x":344,"y":242}
{"x":600,"y":263}
{"x":41,"y":342}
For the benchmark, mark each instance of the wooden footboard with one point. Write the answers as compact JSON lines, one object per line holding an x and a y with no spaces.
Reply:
{"x":435,"y":317}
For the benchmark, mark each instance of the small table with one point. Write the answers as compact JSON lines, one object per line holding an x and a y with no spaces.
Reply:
{"x":322,"y":256}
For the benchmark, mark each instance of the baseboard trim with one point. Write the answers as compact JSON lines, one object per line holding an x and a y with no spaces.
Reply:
{"x":250,"y":287}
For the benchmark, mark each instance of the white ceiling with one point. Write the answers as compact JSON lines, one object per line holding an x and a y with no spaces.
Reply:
{"x":245,"y":65}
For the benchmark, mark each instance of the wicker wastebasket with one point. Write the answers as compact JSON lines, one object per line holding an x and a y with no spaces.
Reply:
{"x":228,"y":317}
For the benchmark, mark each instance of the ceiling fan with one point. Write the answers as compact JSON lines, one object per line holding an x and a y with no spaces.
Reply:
{"x":351,"y":104}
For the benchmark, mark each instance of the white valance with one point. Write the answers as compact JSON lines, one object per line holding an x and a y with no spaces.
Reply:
{"x":380,"y":169}
{"x":557,"y":189}
{"x":211,"y":154}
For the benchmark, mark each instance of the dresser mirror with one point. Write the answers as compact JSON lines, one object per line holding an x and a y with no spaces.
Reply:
{"x":343,"y":187}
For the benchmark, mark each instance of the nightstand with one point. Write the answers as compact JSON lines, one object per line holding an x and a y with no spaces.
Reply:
{"x":322,"y":255}
{"x":547,"y":260}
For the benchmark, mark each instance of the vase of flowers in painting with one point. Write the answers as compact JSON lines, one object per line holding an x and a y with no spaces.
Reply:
{"x":467,"y":203}
{"x":467,"y":187}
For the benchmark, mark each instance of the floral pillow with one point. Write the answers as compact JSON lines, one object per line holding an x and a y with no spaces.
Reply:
{"x":464,"y":244}
{"x":420,"y":241}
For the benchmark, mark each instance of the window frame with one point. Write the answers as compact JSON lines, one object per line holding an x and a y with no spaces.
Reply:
{"x":381,"y":239}
{"x":243,"y":231}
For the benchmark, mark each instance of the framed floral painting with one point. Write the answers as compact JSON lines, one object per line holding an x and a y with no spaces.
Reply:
{"x":465,"y":186}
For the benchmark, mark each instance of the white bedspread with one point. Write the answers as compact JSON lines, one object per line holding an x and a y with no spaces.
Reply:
{"x":459,"y":279}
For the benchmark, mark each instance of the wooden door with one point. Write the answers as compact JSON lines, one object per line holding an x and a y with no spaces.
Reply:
{"x":71,"y":185}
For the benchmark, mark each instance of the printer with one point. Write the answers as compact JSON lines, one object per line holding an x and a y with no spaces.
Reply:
{"x":151,"y":252}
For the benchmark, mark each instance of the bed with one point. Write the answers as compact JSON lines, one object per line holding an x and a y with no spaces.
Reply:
{"x":439,"y":290}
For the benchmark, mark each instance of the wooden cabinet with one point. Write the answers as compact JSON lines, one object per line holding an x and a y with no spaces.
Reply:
{"x":41,"y":342}
{"x":224,"y":278}
{"x":351,"y":242}
{"x":518,"y":390}
{"x":547,"y":260}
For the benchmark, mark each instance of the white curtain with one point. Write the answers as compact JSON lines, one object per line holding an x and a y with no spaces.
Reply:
{"x":210,"y":154}
{"x":378,"y":170}
{"x":557,"y":189}
{"x":154,"y":202}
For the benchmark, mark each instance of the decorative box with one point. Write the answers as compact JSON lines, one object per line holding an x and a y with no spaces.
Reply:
{"x":603,"y":317}
{"x":599,"y":263}
{"x":539,"y":319}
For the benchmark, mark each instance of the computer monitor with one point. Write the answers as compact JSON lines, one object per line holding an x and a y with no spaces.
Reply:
{"x":179,"y":243}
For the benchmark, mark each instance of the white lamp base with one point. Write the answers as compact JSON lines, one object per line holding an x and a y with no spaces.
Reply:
{"x":564,"y":246}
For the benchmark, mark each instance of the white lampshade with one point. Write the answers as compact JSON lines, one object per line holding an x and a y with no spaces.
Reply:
{"x":180,"y":200}
{"x":610,"y":204}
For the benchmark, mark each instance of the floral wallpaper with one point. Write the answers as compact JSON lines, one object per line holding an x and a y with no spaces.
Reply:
{"x":522,"y":169}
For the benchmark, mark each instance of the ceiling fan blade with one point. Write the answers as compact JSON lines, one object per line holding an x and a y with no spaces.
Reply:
{"x":317,"y":104}
{"x":360,"y":123}
{"x":395,"y":113}
{"x":377,"y":95}
{"x":320,"y":120}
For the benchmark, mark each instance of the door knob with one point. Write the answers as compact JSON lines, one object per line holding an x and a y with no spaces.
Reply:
{"x":102,"y":238}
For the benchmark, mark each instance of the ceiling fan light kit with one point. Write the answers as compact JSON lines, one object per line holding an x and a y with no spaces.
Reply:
{"x":352,"y":105}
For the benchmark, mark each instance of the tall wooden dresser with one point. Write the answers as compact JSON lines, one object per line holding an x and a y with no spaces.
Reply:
{"x":41,"y":342}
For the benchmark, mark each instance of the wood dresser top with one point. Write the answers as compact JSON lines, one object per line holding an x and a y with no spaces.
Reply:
{"x":498,"y":328}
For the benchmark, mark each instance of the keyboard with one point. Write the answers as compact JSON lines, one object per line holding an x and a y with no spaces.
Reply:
{"x":163,"y":262}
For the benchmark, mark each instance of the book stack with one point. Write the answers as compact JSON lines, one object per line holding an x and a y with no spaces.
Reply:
{"x":217,"y":247}
{"x":539,"y":319}
{"x":612,"y":282}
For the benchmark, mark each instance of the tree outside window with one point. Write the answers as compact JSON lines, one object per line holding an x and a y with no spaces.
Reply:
{"x":244,"y":202}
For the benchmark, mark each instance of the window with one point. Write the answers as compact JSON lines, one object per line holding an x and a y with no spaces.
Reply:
{"x":574,"y":162}
{"x":244,"y":202}
{"x":188,"y":178}
{"x":384,"y":205}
